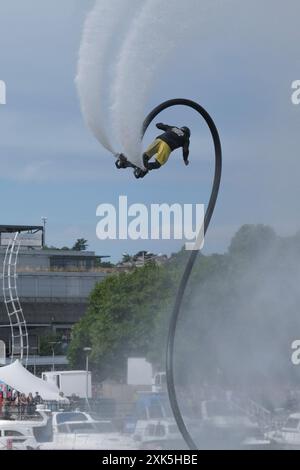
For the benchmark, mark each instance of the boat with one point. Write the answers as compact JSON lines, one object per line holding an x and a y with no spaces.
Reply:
{"x":16,"y":434}
{"x":223,"y":425}
{"x":77,"y":430}
{"x":288,"y":436}
{"x":158,"y":434}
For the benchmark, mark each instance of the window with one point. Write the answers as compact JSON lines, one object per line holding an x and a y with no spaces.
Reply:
{"x":85,"y":428}
{"x":11,"y":433}
{"x":67,"y":417}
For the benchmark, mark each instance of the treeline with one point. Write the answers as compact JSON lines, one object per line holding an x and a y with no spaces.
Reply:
{"x":239,"y":317}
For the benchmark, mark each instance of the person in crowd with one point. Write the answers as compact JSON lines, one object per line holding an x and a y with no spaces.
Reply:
{"x":30,"y":405}
{"x":8,"y":394}
{"x":37,"y":399}
{"x":1,"y":403}
{"x":15,"y":403}
{"x":23,"y":405}
{"x":5,"y":409}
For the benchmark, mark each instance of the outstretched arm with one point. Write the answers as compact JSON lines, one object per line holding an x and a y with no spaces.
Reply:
{"x":163,"y":127}
{"x":186,"y":152}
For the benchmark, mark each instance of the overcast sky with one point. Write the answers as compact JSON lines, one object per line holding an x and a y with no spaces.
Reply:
{"x":241,"y":71}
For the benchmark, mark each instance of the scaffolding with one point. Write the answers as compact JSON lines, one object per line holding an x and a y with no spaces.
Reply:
{"x":19,"y":333}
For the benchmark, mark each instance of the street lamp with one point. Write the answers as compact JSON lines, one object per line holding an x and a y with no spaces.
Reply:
{"x":35,"y":349}
{"x":87,"y":351}
{"x":44,"y":220}
{"x":53,"y":344}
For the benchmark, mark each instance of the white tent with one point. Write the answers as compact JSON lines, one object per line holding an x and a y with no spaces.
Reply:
{"x":18,"y":378}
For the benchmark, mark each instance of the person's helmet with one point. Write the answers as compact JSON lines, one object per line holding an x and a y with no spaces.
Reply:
{"x":186,"y":131}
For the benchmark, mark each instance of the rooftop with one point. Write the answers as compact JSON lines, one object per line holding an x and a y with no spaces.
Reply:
{"x":20,"y":228}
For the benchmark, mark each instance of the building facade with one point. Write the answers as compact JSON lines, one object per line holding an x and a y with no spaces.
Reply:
{"x":53,"y":288}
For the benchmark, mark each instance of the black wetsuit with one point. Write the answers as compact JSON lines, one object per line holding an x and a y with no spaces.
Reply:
{"x":175,"y":138}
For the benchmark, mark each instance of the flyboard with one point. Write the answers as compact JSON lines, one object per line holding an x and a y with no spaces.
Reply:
{"x":122,"y":162}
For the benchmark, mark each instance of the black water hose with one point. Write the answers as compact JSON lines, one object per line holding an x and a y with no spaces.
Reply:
{"x":189,"y":266}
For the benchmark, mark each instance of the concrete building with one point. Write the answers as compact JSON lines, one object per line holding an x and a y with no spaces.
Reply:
{"x":53,"y":287}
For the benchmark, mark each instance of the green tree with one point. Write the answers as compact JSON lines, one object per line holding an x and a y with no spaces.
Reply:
{"x":121,"y":319}
{"x":126,"y":258}
{"x":80,"y":245}
{"x":252,"y":240}
{"x":47,"y":343}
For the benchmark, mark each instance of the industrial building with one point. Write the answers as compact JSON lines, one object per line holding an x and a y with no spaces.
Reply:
{"x":53,"y":288}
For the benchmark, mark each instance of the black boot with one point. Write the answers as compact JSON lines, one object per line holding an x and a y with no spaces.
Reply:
{"x":146,"y":159}
{"x":139,"y":173}
{"x":121,"y":161}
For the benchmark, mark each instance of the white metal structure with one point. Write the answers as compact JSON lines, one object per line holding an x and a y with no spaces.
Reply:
{"x":2,"y":353}
{"x":254,"y":411}
{"x":19,"y":334}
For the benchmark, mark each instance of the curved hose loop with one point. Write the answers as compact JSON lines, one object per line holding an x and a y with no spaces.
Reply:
{"x":190,"y":263}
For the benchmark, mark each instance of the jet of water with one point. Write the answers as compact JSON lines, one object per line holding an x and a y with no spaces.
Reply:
{"x":103,"y":32}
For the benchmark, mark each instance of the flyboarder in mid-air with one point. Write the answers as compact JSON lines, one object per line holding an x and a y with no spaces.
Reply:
{"x":173,"y":138}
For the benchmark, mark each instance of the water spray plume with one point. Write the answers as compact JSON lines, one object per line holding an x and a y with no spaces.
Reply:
{"x":102,"y":34}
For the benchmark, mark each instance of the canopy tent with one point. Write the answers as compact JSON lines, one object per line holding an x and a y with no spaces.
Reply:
{"x":20,"y":379}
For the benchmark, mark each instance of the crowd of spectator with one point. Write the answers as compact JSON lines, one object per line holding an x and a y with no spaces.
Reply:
{"x":14,"y":403}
